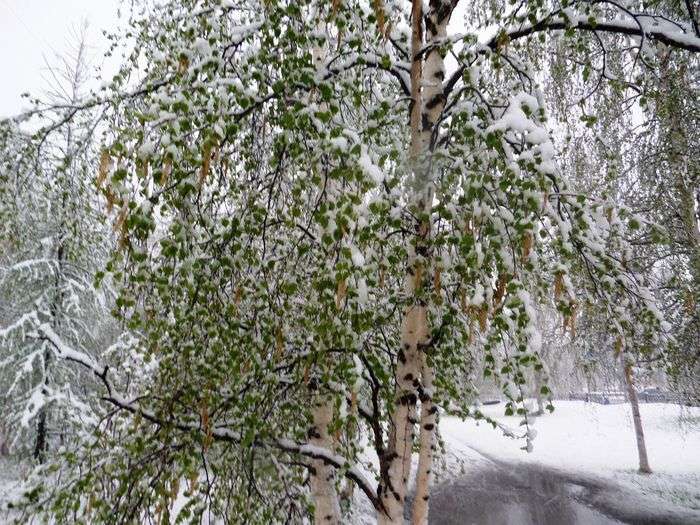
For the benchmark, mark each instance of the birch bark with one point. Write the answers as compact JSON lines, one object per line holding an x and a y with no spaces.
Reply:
{"x":428,"y":101}
{"x":636,"y":416}
{"x":428,"y":425}
{"x":433,"y":104}
{"x":323,"y":486}
{"x":392,"y":489}
{"x":323,"y":489}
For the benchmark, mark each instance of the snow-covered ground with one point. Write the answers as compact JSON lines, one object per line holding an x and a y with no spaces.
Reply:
{"x":587,"y":441}
{"x":597,"y":440}
{"x":580,"y":439}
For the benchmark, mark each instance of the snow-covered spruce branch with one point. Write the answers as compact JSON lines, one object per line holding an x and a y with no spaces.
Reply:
{"x":63,"y":351}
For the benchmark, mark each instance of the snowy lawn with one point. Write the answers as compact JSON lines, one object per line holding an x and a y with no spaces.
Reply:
{"x":597,"y":440}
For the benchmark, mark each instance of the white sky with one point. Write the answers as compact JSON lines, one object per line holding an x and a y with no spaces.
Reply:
{"x":33,"y":29}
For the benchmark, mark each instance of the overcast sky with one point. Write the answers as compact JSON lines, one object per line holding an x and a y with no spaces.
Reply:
{"x":33,"y":29}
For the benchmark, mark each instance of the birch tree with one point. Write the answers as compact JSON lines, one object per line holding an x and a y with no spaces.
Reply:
{"x":312,"y":244}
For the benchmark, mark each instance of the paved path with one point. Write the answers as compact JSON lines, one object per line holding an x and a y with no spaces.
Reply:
{"x":530,"y":494}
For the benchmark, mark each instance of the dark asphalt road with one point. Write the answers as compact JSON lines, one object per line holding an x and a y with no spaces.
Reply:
{"x":527,"y":494}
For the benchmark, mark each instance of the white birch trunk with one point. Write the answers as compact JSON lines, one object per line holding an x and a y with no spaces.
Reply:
{"x":432,"y":106}
{"x":392,"y":490}
{"x":636,"y":416}
{"x":428,"y":102}
{"x":323,"y":484}
{"x":428,"y":426}
{"x":323,"y":489}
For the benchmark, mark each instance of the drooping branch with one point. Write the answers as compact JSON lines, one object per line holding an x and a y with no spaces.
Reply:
{"x":638,"y":25}
{"x":63,"y":351}
{"x":397,"y":70}
{"x":643,"y":26}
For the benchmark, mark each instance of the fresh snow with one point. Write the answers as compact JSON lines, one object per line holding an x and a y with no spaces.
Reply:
{"x":597,"y":440}
{"x":588,"y":436}
{"x":588,"y":440}
{"x":585,"y":440}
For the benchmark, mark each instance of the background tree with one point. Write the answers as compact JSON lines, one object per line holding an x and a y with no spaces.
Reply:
{"x":54,"y":240}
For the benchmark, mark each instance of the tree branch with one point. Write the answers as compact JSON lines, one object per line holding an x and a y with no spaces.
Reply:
{"x":63,"y":351}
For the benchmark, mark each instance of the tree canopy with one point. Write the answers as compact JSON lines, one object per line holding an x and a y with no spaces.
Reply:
{"x":334,"y":220}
